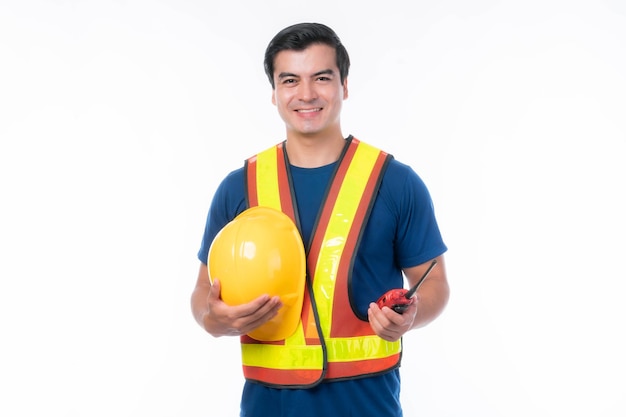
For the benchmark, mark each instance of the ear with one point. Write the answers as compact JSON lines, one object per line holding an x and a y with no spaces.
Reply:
{"x":345,"y":88}
{"x":274,"y":96}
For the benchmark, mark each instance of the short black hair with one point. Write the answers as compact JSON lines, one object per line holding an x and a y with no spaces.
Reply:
{"x":300,"y":36}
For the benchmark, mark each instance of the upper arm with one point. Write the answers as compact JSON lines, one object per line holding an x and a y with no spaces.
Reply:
{"x":203,"y":280}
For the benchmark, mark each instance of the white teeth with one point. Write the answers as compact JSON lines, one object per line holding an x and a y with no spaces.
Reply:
{"x":308,"y":110}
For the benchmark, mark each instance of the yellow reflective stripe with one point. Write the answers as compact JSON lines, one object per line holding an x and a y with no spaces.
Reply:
{"x":346,"y":349}
{"x":350,"y":349}
{"x":267,"y":179}
{"x":335,"y":236}
{"x":277,"y":357}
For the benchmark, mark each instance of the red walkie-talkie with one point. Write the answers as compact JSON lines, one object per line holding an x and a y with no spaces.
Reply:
{"x":400,"y":299}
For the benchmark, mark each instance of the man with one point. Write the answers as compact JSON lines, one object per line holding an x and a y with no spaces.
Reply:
{"x":344,"y":359}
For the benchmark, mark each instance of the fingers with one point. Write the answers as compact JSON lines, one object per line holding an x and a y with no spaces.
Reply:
{"x":240,"y":319}
{"x":261,"y":315}
{"x":259,"y":306}
{"x":388,"y":324}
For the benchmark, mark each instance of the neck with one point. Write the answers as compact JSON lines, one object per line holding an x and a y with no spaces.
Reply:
{"x":313,"y":152}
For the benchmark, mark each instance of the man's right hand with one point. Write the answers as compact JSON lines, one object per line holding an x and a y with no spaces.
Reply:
{"x":221,"y":319}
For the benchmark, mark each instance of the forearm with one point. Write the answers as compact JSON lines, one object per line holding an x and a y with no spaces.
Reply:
{"x":433,"y":297}
{"x":201,"y":312}
{"x":200,"y":301}
{"x":199,"y":305}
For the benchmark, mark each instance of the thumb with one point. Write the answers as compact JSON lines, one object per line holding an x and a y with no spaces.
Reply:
{"x":215,"y":290}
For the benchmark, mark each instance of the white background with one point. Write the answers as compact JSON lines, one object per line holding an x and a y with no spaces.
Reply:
{"x":119,"y":118}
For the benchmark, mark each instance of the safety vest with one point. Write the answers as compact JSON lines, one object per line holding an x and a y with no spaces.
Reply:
{"x":330,"y":342}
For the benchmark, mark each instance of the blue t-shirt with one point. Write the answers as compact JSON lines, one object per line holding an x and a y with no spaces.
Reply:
{"x":402,"y":232}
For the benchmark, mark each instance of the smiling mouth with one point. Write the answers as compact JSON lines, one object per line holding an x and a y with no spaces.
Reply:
{"x":309,"y":110}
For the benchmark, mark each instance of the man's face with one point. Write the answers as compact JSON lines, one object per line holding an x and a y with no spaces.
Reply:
{"x":308,"y":91}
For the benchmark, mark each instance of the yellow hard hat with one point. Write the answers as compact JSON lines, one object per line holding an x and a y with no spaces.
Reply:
{"x":261,"y":252}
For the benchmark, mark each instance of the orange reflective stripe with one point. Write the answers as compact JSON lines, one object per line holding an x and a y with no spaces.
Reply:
{"x":250,"y":178}
{"x":338,"y":370}
{"x":282,"y":377}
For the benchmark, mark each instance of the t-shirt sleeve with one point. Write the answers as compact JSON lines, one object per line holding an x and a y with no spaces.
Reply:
{"x":227,"y":202}
{"x":418,"y":235}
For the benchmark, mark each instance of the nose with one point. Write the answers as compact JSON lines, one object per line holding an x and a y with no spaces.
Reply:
{"x":307,"y":91}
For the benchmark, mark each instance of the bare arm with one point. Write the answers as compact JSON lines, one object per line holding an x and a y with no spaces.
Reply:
{"x":429,"y":303}
{"x":220,"y":319}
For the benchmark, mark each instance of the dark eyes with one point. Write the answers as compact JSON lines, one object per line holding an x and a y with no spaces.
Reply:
{"x":294,"y":80}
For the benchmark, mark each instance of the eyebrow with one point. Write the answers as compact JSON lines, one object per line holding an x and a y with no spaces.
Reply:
{"x":317,"y":74}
